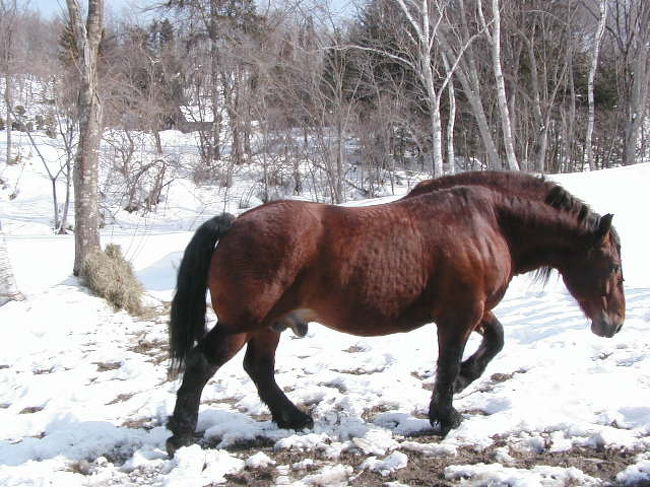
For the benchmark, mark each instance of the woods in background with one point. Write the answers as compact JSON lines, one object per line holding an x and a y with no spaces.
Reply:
{"x":341,"y":103}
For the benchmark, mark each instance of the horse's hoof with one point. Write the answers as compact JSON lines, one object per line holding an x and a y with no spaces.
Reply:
{"x":444,"y":423}
{"x":176,"y":442}
{"x":297,"y":421}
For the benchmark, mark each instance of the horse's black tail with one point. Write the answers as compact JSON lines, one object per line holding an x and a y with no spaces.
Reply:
{"x":187,"y":320}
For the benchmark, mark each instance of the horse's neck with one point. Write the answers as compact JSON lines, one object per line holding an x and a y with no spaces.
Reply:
{"x":538,"y":234}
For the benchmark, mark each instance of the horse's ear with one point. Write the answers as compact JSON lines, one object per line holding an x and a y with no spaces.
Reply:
{"x":604,"y":226}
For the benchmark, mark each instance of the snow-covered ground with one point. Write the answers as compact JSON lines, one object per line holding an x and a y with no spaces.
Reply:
{"x":84,"y":392}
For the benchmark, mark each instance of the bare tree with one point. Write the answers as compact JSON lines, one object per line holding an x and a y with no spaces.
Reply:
{"x":598,"y":37}
{"x":87,"y":38}
{"x":493,"y":34}
{"x":630,"y":30}
{"x":53,"y":173}
{"x":451,"y":119}
{"x":8,"y":14}
{"x":455,"y":40}
{"x":420,"y":35}
{"x":543,"y":35}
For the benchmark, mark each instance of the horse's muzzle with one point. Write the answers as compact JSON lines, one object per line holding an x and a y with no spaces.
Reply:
{"x":606,"y":327}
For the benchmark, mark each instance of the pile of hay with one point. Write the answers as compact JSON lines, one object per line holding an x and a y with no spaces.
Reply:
{"x":111,"y":277}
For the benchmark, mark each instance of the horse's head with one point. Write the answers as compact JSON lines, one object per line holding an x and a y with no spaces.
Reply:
{"x":595,"y":279}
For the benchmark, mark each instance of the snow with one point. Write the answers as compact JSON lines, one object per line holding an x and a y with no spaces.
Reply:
{"x":495,"y":474}
{"x":84,"y":392}
{"x":388,"y":465}
{"x":637,"y":473}
{"x":259,"y":460}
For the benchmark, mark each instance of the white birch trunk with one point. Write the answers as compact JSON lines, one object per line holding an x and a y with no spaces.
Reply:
{"x":451,"y":92}
{"x":589,"y":154}
{"x":423,"y":39}
{"x":470,"y":81}
{"x":494,"y":37}
{"x":434,"y":115}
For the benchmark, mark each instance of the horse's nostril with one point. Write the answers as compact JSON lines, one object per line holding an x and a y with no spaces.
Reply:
{"x":618,"y":328}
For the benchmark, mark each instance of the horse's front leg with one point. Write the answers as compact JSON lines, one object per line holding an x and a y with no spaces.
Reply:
{"x":213,"y":350}
{"x":452,"y":336}
{"x":491,"y":344}
{"x":259,"y":363}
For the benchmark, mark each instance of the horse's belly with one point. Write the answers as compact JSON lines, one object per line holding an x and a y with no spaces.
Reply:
{"x":363,"y":320}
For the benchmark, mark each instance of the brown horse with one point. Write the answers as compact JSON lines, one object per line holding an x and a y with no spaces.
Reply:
{"x":445,"y":256}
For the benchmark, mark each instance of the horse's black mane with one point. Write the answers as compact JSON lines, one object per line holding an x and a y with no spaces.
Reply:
{"x":560,"y":198}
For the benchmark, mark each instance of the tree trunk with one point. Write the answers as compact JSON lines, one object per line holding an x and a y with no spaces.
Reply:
{"x":8,"y":289}
{"x":9,"y":106}
{"x":470,"y":81}
{"x":85,"y":174}
{"x":10,"y":15}
{"x":589,"y":155}
{"x":637,"y":105}
{"x":66,"y":204}
{"x":451,"y":121}
{"x":494,"y":37}
{"x":540,"y":135}
{"x":214,"y":86}
{"x":638,"y":102}
{"x":434,"y":113}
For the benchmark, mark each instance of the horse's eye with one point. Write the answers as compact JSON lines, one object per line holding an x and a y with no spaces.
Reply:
{"x":614,"y":268}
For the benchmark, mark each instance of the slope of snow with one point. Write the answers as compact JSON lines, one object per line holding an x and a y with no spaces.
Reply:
{"x":84,"y":392}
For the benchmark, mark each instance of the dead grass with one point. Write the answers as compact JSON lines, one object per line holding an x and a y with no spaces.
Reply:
{"x":111,"y":277}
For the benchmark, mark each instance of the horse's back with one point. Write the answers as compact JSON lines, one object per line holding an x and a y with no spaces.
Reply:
{"x":509,"y":182}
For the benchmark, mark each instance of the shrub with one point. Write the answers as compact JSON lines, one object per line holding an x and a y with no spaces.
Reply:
{"x":111,"y":277}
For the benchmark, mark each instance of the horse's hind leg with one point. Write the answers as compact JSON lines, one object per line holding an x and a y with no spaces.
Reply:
{"x":213,"y":350}
{"x":259,"y":363}
{"x":491,"y":344}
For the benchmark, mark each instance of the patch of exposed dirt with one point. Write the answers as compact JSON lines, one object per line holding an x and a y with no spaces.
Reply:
{"x":43,"y":371}
{"x":604,"y":465}
{"x":157,"y":350}
{"x":141,"y":423}
{"x":424,"y":470}
{"x":370,"y":414}
{"x":120,"y":398}
{"x":106,"y":366}
{"x":249,"y":447}
{"x":31,"y":410}
{"x":359,"y":371}
{"x":252,"y":478}
{"x":498,"y":378}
